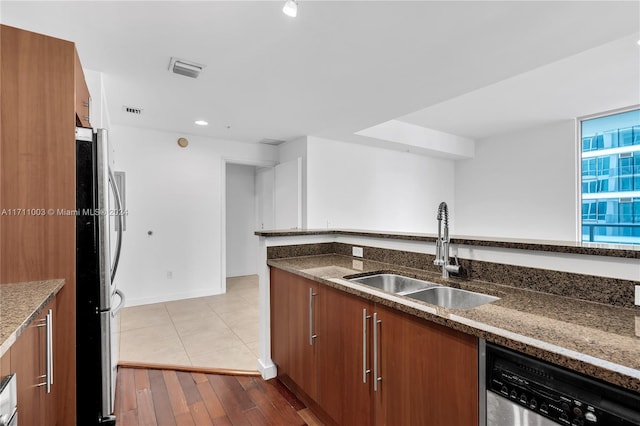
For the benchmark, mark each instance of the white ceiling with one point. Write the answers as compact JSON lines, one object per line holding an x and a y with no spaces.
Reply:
{"x":471,"y":68}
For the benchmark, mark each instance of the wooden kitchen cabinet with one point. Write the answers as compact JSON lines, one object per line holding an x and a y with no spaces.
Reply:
{"x":300,"y":345}
{"x":37,"y":178}
{"x":29,"y":362}
{"x":82,"y":97}
{"x":279,"y":295}
{"x":344,"y":341}
{"x":428,"y":373}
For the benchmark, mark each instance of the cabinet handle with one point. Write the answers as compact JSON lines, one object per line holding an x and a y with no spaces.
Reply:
{"x":48,"y":376}
{"x":376,"y":367}
{"x":365,"y":371}
{"x":311,"y":335}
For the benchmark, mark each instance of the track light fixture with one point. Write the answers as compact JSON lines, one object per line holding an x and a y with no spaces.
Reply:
{"x":290,"y":8}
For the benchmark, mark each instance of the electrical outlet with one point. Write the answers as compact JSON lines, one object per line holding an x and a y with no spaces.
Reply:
{"x":169,"y":274}
{"x":357,"y":251}
{"x":358,"y":265}
{"x":637,"y":302}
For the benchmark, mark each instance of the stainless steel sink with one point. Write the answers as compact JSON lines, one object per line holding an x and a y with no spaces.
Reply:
{"x":396,"y":284}
{"x":454,"y":298}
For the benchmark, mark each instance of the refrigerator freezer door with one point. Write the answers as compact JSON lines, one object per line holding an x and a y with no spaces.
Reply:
{"x":107,"y":367}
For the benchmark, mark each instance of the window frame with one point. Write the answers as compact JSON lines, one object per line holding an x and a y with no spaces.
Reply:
{"x":578,"y":164}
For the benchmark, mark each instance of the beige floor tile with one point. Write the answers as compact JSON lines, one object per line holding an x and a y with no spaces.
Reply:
{"x":185,"y":305}
{"x":247,"y":333}
{"x":241,"y":317}
{"x":254,"y":347}
{"x":214,"y":332}
{"x":144,"y":316}
{"x":247,"y":281}
{"x":200,"y":344}
{"x":140,"y":343}
{"x":239,"y":357}
{"x":229,"y":305}
{"x":208,"y":325}
{"x":248,"y":293}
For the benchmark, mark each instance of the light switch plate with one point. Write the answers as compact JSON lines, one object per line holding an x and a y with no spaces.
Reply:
{"x":637,"y":302}
{"x":357,"y":251}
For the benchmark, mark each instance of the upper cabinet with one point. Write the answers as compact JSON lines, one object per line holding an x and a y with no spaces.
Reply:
{"x":38,"y":79}
{"x":83,"y":98}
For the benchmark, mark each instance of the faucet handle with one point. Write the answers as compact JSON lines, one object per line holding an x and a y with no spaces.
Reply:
{"x":456,"y":259}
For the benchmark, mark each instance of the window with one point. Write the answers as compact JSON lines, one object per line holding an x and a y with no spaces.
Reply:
{"x":610,"y":177}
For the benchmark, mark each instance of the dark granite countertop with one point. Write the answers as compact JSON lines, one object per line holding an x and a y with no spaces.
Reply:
{"x":20,"y":304}
{"x":592,"y":338}
{"x":594,"y":249}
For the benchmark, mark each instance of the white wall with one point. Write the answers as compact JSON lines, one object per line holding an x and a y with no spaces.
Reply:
{"x":290,"y":151}
{"x":177,"y":193}
{"x":360,"y":187}
{"x":520,"y":185}
{"x":242,"y":244}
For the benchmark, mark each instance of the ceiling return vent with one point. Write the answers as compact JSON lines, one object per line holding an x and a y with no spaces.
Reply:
{"x":132,"y":110}
{"x":186,"y":68}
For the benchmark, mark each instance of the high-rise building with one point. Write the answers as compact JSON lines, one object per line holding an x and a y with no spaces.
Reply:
{"x":611,"y":178}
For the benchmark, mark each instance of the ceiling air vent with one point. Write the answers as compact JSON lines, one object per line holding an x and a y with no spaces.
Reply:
{"x":274,"y":142}
{"x":186,"y":68}
{"x":132,"y":110}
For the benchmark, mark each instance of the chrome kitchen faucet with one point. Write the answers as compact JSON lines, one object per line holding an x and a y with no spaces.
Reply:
{"x":442,"y":244}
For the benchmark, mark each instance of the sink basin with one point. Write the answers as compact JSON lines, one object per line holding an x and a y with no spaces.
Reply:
{"x":393,"y":283}
{"x":454,"y":298}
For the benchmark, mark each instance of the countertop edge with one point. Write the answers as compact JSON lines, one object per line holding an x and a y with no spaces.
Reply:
{"x":593,"y":249}
{"x":48,"y":296}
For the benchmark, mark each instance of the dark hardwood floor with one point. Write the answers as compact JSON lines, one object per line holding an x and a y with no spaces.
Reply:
{"x":149,"y":397}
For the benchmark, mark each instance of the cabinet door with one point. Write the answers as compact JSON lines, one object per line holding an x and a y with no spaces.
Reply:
{"x":279,"y":303}
{"x":344,"y":349}
{"x":428,"y":373}
{"x":27,"y":363}
{"x":301,"y":362}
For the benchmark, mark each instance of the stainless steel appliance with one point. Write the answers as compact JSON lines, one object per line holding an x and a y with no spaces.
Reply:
{"x":524,"y":391}
{"x":96,"y":292}
{"x":8,"y":401}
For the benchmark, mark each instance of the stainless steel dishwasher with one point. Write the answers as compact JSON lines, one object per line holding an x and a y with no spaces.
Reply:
{"x":525,"y":391}
{"x":8,"y":401}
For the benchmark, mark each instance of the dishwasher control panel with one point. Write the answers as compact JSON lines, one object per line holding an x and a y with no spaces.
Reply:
{"x":558,"y":394}
{"x":544,"y":401}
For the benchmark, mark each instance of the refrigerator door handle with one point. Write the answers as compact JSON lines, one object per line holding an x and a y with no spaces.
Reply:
{"x":115,"y":310}
{"x":119,"y":213}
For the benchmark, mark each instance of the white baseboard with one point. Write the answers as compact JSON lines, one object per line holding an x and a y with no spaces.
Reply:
{"x":268,"y":371}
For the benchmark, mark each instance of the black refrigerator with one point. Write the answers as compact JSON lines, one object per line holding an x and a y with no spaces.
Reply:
{"x":98,"y":215}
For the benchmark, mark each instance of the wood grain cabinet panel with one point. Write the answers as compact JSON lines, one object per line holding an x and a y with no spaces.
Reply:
{"x":279,"y":295}
{"x":344,"y":342}
{"x":302,"y":356}
{"x":428,"y":374}
{"x":37,"y":179}
{"x":29,"y":362}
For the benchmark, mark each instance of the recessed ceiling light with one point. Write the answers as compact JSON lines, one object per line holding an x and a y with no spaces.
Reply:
{"x":290,"y":8}
{"x":201,"y":123}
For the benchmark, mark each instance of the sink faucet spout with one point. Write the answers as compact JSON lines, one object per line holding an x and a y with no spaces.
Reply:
{"x":442,"y":243}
